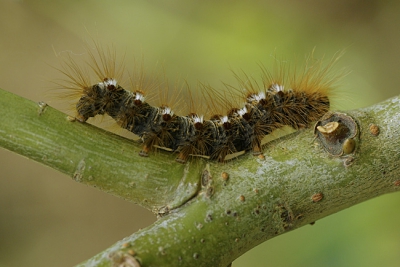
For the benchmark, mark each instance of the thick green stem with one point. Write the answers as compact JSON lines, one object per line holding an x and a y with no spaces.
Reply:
{"x":227,"y":208}
{"x":297,"y":184}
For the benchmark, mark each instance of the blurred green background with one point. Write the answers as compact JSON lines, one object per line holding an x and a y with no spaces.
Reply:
{"x":46,"y":219}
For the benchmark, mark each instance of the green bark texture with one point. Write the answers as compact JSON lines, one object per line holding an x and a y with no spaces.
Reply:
{"x":211,"y":213}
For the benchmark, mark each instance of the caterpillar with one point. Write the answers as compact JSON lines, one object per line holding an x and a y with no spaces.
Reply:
{"x":288,"y":96}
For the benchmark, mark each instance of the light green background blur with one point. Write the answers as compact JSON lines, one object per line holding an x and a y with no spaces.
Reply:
{"x":46,"y":219}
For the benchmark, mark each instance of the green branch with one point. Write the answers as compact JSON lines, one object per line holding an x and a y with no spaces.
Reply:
{"x":93,"y":156}
{"x":216,"y":212}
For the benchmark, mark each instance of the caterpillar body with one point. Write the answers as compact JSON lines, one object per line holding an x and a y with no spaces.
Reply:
{"x":266,"y":108}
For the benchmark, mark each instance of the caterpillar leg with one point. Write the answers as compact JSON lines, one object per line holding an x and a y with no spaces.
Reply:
{"x":257,"y":152}
{"x":145,"y":151}
{"x":80,"y":118}
{"x":181,"y":158}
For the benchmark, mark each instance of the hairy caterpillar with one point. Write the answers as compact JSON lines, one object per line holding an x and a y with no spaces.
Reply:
{"x":266,"y":106}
